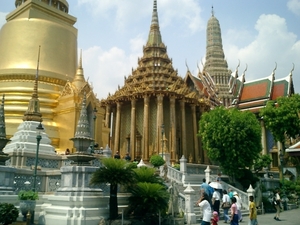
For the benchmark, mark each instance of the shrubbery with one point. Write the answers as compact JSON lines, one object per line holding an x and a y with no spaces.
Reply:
{"x":8,"y":213}
{"x":157,"y":160}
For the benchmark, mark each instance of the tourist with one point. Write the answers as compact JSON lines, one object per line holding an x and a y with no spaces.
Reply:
{"x":215,"y":218}
{"x":216,"y":197}
{"x":211,"y":190}
{"x":230,"y":193}
{"x":219,"y":180}
{"x":205,"y":187}
{"x":276,"y":203}
{"x":234,"y":218}
{"x":225,"y":202}
{"x":67,"y":152}
{"x":127,"y":157}
{"x":117,"y":155}
{"x":239,"y":205}
{"x":252,"y":212}
{"x":203,"y":202}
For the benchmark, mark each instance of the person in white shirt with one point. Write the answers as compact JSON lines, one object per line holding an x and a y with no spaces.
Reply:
{"x":225,"y":210}
{"x":239,"y":205}
{"x":277,"y":205}
{"x":216,"y":197}
{"x":203,"y":202}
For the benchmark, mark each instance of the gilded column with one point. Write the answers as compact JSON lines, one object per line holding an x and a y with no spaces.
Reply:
{"x":132,"y":129}
{"x":107,"y":116}
{"x":145,"y":150}
{"x":196,"y":144}
{"x":173,"y":128}
{"x":159,"y":120}
{"x":264,"y":138}
{"x":183,"y":128}
{"x":117,"y":130}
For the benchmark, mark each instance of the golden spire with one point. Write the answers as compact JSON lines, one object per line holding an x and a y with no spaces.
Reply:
{"x":79,"y":80}
{"x":154,"y":38}
{"x":33,"y":112}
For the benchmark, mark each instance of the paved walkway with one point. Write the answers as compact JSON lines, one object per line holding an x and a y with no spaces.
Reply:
{"x":289,"y":217}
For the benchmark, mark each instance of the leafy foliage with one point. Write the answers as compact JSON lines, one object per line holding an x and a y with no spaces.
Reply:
{"x":282,"y":117}
{"x":176,"y":166}
{"x":291,"y":188}
{"x":28,"y":195}
{"x":147,"y":200}
{"x":261,"y":162}
{"x":149,"y":195}
{"x":246,"y":178}
{"x":146,"y":174}
{"x":8,"y":213}
{"x":268,"y":206}
{"x":157,"y":160}
{"x":231,"y":137}
{"x":114,"y":172}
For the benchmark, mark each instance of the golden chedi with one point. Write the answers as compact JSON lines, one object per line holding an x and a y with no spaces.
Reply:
{"x":44,"y":23}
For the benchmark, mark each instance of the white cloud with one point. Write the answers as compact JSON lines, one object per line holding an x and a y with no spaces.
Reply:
{"x":273,"y":43}
{"x":107,"y":69}
{"x":294,"y":6}
{"x":121,"y":12}
{"x":184,"y":12}
{"x":137,"y":43}
{"x":187,"y":12}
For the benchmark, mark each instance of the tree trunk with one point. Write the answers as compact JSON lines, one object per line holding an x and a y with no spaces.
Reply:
{"x":113,"y":202}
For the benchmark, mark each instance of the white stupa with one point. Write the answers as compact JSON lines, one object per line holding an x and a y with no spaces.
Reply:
{"x":23,"y":145}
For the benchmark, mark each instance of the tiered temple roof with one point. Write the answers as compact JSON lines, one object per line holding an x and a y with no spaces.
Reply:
{"x":155,"y":73}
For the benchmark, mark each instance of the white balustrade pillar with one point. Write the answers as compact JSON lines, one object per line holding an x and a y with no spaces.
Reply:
{"x":207,"y":174}
{"x":190,"y":215}
{"x":183,"y":162}
{"x":250,"y":192}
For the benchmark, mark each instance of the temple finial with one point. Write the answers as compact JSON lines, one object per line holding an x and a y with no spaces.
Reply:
{"x":212,"y":11}
{"x":35,"y":90}
{"x":154,"y":14}
{"x":275,"y":67}
{"x":154,"y":37}
{"x":155,"y":6}
{"x":33,"y":112}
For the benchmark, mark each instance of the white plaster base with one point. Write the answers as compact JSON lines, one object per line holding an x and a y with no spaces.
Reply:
{"x":76,"y":210}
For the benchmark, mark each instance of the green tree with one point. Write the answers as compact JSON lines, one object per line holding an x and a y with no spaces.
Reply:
{"x":149,"y":195}
{"x":231,"y":137}
{"x":157,"y":160}
{"x":281,"y":117}
{"x":8,"y":213}
{"x":261,"y":162}
{"x":114,"y":172}
{"x":146,"y":174}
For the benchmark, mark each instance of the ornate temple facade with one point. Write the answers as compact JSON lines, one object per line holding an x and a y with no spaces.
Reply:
{"x":231,"y":90}
{"x":156,"y":112}
{"x":61,"y":79}
{"x":215,"y":65}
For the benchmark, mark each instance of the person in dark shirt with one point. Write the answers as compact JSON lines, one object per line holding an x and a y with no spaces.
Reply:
{"x":117,"y":155}
{"x":127,"y":157}
{"x":67,"y":152}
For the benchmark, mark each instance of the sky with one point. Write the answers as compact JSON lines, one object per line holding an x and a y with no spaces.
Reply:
{"x":111,"y":33}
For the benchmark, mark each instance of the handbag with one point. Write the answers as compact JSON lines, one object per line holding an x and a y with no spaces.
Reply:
{"x":225,"y":205}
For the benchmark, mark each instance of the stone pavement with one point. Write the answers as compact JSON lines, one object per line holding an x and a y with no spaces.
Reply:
{"x":289,"y":217}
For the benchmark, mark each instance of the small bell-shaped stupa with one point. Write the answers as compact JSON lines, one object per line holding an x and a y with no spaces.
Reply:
{"x":82,"y":140}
